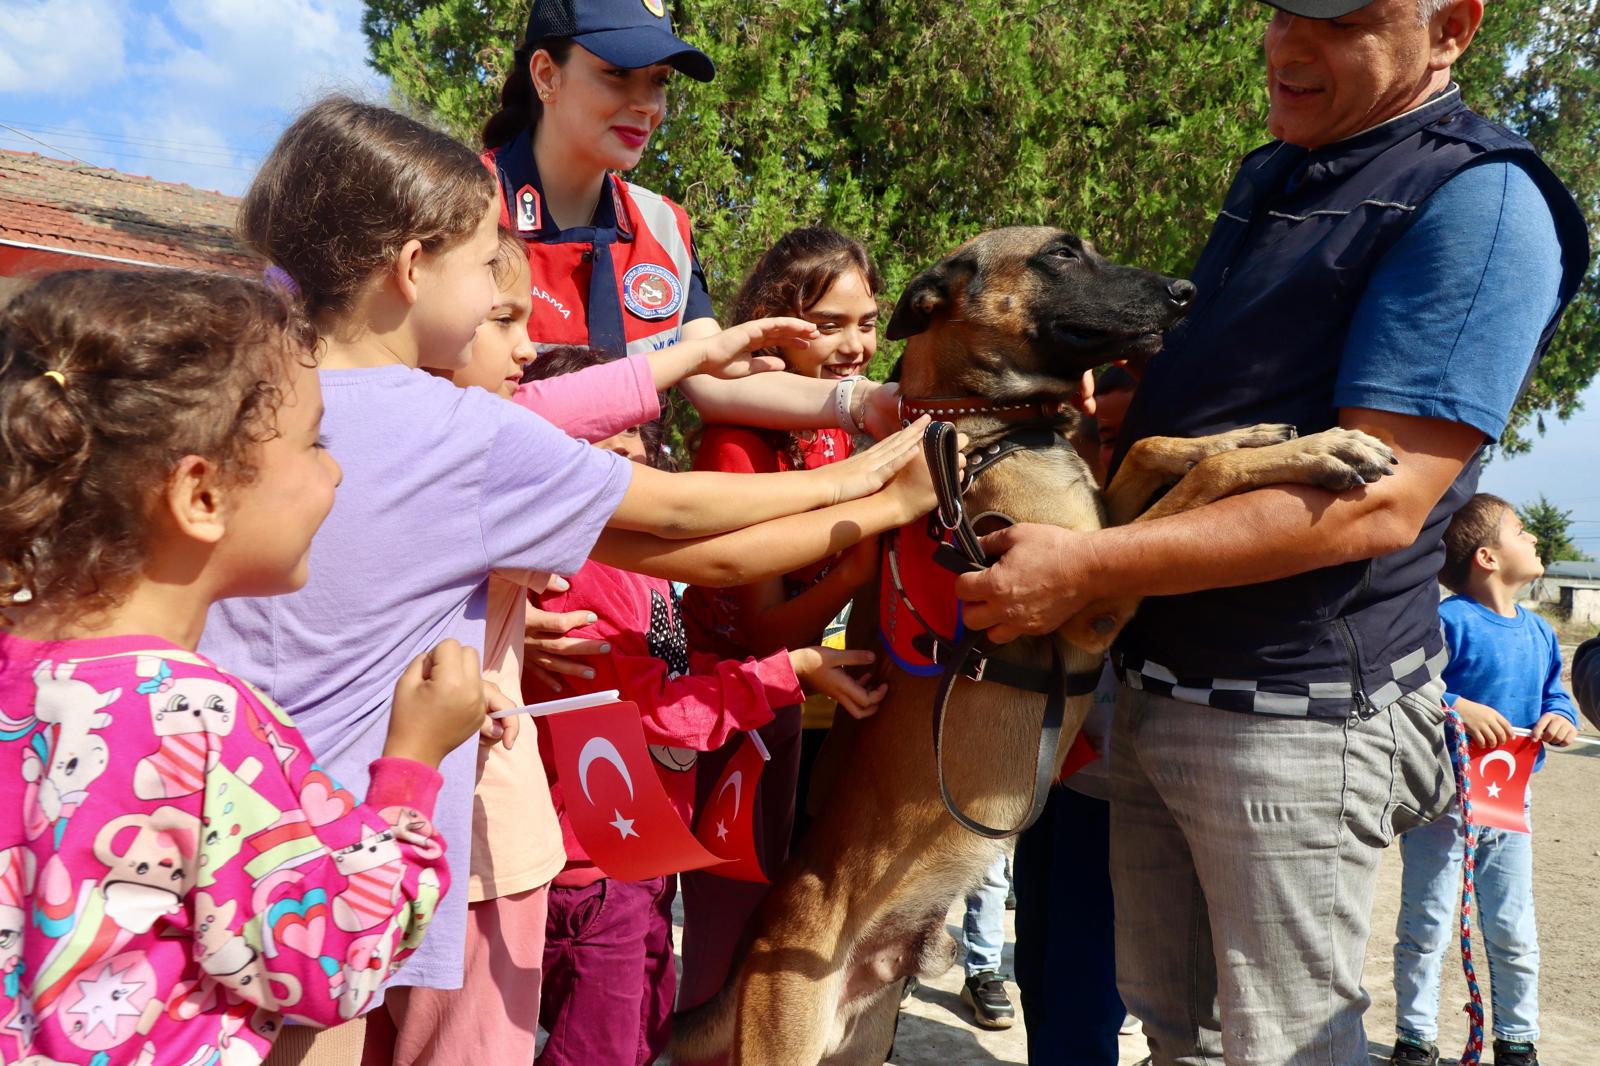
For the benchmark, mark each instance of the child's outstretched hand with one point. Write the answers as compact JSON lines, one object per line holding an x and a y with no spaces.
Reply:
{"x":866,"y":472}
{"x":438,"y":704}
{"x":1555,"y":729}
{"x":1487,"y":727}
{"x":822,"y":670}
{"x":729,"y":354}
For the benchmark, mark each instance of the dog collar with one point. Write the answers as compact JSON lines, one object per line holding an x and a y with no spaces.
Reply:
{"x":944,"y":408}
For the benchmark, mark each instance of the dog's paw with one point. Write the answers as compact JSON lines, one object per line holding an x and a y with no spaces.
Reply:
{"x":1343,"y":459}
{"x":1257,"y":436}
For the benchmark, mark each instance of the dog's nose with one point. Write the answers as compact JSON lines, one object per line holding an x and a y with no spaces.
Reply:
{"x":1181,"y":292}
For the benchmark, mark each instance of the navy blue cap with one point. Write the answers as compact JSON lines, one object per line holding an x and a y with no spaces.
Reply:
{"x":1319,"y":9}
{"x":629,"y":33}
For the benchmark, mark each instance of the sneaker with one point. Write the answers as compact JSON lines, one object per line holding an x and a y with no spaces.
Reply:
{"x":985,"y":993}
{"x":1409,"y":1051}
{"x":1515,"y":1053}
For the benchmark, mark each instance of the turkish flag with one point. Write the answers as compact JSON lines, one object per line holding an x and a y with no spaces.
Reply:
{"x":1499,"y":779}
{"x":727,"y":823}
{"x":614,"y":800}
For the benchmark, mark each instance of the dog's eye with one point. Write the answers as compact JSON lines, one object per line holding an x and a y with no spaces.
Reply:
{"x":1065,"y":253}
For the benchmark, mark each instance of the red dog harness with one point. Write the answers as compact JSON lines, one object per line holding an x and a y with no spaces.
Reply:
{"x":919,"y":615}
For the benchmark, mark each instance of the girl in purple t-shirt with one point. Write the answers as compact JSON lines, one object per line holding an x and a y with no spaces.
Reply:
{"x":387,"y":230}
{"x":178,"y":875}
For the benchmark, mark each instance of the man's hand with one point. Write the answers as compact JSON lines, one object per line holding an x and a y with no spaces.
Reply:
{"x":1487,"y":727}
{"x":1042,"y":577}
{"x":1555,"y":729}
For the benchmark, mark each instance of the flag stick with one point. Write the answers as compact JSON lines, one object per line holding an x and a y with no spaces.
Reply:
{"x":1580,"y":739}
{"x":761,"y":746}
{"x":571,"y":703}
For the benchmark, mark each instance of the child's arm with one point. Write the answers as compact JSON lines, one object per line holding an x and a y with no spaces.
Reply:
{"x":704,"y":709}
{"x":285,"y":838}
{"x":1558,"y":718}
{"x":596,"y":402}
{"x":601,"y":401}
{"x":702,"y":503}
{"x":376,"y":871}
{"x":791,"y":402}
{"x":771,"y":548}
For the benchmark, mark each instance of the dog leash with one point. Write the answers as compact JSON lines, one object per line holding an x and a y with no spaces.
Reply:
{"x":1456,"y":738}
{"x":964,"y":659}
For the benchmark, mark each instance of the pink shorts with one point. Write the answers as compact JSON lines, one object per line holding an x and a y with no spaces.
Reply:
{"x":494,"y":1015}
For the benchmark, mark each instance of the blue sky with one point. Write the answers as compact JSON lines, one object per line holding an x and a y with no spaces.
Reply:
{"x":196,"y":90}
{"x":191,"y":91}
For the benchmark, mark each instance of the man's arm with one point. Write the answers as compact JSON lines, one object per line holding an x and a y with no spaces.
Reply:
{"x":1046,"y":575}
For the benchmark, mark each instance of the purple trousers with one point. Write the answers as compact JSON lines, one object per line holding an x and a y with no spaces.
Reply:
{"x":608,"y":980}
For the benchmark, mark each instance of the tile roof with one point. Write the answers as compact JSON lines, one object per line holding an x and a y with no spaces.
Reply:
{"x":102,"y":212}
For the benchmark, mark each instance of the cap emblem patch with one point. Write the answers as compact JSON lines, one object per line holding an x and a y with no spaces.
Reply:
{"x":656,"y":8}
{"x":651,"y":292}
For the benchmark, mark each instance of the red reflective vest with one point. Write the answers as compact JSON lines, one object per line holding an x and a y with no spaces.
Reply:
{"x":636,"y":306}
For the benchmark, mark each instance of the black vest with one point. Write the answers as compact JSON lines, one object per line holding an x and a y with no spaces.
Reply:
{"x":1289,"y":257}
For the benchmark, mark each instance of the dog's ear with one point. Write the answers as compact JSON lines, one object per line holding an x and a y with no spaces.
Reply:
{"x":927,"y":295}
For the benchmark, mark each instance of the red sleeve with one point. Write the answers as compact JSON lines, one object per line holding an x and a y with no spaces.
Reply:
{"x":733,"y":450}
{"x":704,"y":711}
{"x":699,"y":710}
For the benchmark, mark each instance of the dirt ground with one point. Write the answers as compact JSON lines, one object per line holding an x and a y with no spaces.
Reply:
{"x":935,"y":1029}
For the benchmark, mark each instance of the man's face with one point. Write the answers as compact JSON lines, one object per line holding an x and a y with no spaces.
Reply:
{"x":1328,"y":79}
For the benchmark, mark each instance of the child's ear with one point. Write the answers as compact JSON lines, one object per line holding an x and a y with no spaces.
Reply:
{"x":1486,"y":558}
{"x":407,"y":270}
{"x":194,"y":500}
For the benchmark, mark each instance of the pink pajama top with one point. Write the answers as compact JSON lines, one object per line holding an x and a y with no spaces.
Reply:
{"x":178,"y":876}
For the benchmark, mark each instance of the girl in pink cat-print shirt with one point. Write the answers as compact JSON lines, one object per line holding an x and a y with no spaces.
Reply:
{"x":177,"y":874}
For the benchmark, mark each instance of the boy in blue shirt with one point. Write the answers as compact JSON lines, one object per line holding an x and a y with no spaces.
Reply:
{"x":1504,"y":673}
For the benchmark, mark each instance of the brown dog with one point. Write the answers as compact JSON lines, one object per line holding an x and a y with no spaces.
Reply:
{"x":1013,"y":317}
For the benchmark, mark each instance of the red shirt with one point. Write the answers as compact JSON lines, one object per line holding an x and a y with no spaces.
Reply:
{"x":712,"y":616}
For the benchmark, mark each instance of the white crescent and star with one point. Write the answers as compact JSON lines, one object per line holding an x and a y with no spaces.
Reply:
{"x":1483,"y":770}
{"x":736,"y":779}
{"x":599,"y":748}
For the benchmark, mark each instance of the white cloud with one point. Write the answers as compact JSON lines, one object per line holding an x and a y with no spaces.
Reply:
{"x":242,"y":53}
{"x":60,"y":48}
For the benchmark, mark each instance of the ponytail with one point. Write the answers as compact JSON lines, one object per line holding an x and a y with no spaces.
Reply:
{"x":520,"y":106}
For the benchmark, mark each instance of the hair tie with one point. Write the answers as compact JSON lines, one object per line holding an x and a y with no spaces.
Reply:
{"x":277,"y":276}
{"x":57,"y":376}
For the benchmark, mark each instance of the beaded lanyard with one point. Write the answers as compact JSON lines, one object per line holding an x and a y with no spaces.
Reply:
{"x":1456,"y":736}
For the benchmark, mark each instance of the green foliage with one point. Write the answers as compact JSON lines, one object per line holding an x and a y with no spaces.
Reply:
{"x":1553,"y":527}
{"x":914,"y":124}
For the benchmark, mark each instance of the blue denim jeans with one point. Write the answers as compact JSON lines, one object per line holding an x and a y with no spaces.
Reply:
{"x":984,"y":927}
{"x":1430,"y":888}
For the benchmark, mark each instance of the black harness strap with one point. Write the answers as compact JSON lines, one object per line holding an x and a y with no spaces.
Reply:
{"x":965,"y":659}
